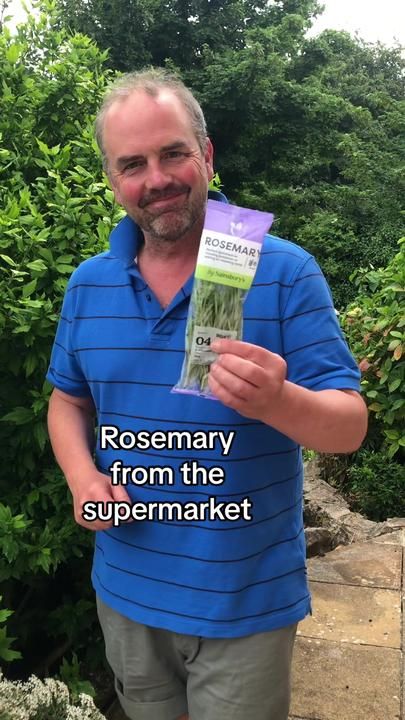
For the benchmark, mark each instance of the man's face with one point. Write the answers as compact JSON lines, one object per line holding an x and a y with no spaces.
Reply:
{"x":155,"y":165}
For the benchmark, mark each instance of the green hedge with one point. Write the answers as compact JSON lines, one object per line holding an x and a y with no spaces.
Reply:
{"x":55,"y":210}
{"x":374,"y":477}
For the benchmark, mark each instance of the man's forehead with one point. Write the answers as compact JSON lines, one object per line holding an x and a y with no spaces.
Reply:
{"x":163,"y":98}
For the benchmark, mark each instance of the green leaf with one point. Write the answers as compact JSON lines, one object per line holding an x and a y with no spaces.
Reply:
{"x":392,"y":450}
{"x":394,"y":344}
{"x":46,"y":254}
{"x":65,"y":269}
{"x":394,"y":385}
{"x":43,"y":147}
{"x":21,"y":329}
{"x":40,"y":435}
{"x":29,"y":288}
{"x":4,"y":614}
{"x":376,"y":407}
{"x":5,"y":652}
{"x":37,"y":265}
{"x":8,"y":260}
{"x":30,"y":364}
{"x":18,"y":416}
{"x":391,"y":434}
{"x":13,"y":53}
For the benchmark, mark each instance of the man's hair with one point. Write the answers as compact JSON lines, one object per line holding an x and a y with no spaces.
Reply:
{"x":151,"y":81}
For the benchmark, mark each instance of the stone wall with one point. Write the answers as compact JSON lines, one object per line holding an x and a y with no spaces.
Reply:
{"x":329,"y":521}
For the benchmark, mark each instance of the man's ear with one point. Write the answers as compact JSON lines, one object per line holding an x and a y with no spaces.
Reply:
{"x":209,"y":159}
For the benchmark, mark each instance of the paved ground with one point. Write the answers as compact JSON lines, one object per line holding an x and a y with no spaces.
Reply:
{"x":349,"y":655}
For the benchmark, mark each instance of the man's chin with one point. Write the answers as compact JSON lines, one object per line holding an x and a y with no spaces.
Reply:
{"x":166,"y":235}
{"x":167,"y":227}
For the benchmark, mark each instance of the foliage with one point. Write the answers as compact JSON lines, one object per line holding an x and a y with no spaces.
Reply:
{"x":5,"y":642}
{"x":215,"y":183}
{"x":311,"y":129}
{"x":293,"y":139}
{"x":43,"y":700}
{"x":375,"y":328}
{"x":142,"y":32}
{"x":372,"y":483}
{"x":376,"y":485}
{"x":374,"y":478}
{"x":55,"y":210}
{"x":70,"y":675}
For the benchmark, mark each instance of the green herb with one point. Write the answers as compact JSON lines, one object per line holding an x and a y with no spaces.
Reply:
{"x":213,"y":305}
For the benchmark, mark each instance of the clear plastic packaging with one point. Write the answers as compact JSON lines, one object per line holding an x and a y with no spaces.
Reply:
{"x":229,"y":253}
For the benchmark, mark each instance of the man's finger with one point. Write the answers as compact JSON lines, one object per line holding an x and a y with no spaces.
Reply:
{"x":248,"y":351}
{"x":119,"y":494}
{"x":231,"y":370}
{"x":224,"y":395}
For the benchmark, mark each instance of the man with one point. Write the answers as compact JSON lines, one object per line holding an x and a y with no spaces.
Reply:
{"x":199,"y":617}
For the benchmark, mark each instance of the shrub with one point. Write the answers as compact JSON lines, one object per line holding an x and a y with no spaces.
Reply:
{"x":55,"y":210}
{"x":374,"y":478}
{"x":375,"y":327}
{"x":372,"y":483}
{"x":6,"y":653}
{"x":376,"y":485}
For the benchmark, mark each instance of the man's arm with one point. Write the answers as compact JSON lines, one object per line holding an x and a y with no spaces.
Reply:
{"x":71,"y":430}
{"x":252,"y":381}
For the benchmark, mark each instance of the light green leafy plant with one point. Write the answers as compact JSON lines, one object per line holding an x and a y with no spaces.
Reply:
{"x":70,"y":674}
{"x":6,"y":653}
{"x":375,"y":328}
{"x":55,"y":210}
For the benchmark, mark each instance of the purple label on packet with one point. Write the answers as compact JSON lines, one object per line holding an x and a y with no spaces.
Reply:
{"x":237,"y":221}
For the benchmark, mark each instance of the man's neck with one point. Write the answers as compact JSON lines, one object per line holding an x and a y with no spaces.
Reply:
{"x":166,"y":274}
{"x":184,"y":249}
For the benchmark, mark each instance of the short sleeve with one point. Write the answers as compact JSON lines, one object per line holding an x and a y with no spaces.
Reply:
{"x":315,"y":349}
{"x":64,"y":370}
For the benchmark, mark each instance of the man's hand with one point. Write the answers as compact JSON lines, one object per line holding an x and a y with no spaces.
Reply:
{"x":247,"y":378}
{"x":95,"y":487}
{"x":71,"y":429}
{"x":252,"y":381}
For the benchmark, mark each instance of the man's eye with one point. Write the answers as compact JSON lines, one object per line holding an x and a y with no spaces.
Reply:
{"x":174,"y":155}
{"x":134,"y":165}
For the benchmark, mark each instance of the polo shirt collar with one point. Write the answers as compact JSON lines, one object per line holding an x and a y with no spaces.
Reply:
{"x":127,"y":236}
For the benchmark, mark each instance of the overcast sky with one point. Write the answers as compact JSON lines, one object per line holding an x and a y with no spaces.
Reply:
{"x":373,"y":19}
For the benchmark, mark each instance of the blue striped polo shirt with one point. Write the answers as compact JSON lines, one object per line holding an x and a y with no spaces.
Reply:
{"x":211,"y":577}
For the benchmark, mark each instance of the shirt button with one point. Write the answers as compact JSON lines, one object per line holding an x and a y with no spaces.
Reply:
{"x":148,"y":297}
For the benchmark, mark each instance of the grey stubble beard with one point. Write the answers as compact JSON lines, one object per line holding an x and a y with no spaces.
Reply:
{"x":157,"y":230}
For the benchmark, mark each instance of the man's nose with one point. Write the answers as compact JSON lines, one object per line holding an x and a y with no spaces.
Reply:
{"x":156,"y":176}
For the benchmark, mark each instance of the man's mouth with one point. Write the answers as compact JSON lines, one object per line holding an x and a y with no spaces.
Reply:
{"x":164,"y":199}
{"x":165,"y":202}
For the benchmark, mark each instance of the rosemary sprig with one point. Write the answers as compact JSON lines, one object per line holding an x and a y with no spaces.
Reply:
{"x":212,"y":305}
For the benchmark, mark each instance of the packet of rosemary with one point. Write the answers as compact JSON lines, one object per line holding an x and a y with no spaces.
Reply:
{"x":228,"y":256}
